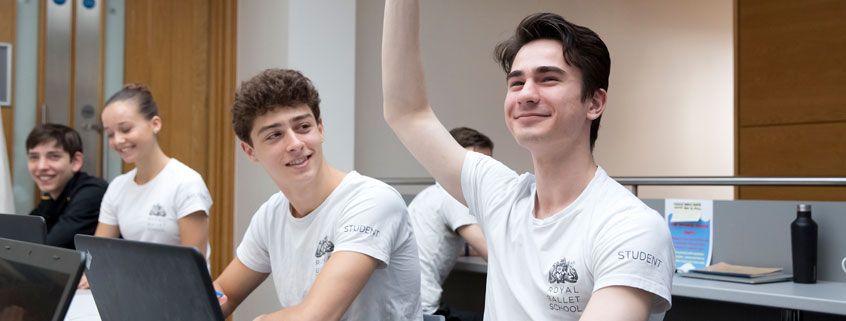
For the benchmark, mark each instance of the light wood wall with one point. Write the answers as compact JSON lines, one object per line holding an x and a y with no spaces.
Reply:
{"x":184,"y":51}
{"x":791,"y":95}
{"x":8,"y":13}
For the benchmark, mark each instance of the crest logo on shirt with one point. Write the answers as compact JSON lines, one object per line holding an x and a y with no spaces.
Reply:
{"x":325,"y":246}
{"x":563,"y":271}
{"x":157,"y":210}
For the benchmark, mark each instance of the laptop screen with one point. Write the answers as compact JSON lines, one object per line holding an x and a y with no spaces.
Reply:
{"x":28,"y":291}
{"x":27,"y":228}
{"x":37,"y":281}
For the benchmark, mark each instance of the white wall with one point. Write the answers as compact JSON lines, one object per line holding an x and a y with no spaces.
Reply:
{"x":262,"y":44}
{"x":670,"y":109}
{"x":302,"y":35}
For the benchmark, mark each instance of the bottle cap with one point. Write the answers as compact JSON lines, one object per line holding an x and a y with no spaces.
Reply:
{"x":803,"y":207}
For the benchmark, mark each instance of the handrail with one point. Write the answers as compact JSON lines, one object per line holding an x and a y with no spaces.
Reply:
{"x":635,"y":181}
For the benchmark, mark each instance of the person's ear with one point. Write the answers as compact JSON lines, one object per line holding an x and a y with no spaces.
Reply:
{"x":249,"y":151}
{"x":76,"y":161}
{"x":156,"y":122}
{"x":597,"y":104}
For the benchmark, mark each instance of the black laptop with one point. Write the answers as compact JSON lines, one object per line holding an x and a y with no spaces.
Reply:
{"x":37,"y":282}
{"x":27,"y":228}
{"x":148,"y":281}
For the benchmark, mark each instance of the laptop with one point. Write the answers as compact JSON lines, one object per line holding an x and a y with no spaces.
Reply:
{"x":37,"y":282}
{"x":27,"y":228}
{"x":148,"y":281}
{"x":778,"y":277}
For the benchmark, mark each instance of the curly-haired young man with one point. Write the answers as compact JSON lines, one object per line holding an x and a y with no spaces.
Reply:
{"x":339,"y":245}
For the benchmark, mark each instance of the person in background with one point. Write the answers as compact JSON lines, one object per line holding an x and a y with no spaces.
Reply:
{"x":445,"y":229}
{"x":70,"y":198}
{"x":162,"y":200}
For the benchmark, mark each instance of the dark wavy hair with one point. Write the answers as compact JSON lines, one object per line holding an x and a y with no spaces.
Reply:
{"x":267,"y":91}
{"x":469,"y":137}
{"x":65,"y":137}
{"x":583,"y":49}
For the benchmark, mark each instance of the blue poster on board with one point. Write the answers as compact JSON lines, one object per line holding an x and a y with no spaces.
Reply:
{"x":690,"y":223}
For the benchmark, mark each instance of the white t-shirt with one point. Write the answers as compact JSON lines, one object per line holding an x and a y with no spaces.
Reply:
{"x":547,"y":269}
{"x":361,"y":215}
{"x":151,"y":212}
{"x":436,"y":216}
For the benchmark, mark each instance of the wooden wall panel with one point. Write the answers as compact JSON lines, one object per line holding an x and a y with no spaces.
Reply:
{"x":167,"y":49}
{"x":795,"y":150}
{"x":8,"y":12}
{"x":221,"y":137}
{"x":185,"y":52}
{"x":792,"y":64}
{"x":792,"y":193}
{"x":791,"y":95}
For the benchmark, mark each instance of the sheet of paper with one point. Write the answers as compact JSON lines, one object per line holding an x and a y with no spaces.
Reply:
{"x":692,"y":233}
{"x":751,"y":271}
{"x":684,"y":211}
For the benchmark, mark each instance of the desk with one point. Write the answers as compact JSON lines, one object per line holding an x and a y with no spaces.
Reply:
{"x":824,"y":296}
{"x":82,"y":307}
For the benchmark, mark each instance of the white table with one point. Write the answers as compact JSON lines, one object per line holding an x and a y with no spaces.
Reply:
{"x":82,"y":307}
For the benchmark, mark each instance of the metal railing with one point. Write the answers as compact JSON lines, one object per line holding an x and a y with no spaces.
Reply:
{"x":635,"y":182}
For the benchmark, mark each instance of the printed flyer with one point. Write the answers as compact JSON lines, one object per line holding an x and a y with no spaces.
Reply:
{"x":690,"y":223}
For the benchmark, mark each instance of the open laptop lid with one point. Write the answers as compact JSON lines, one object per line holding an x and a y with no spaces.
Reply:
{"x":37,"y":282}
{"x":148,"y":281}
{"x":27,"y":228}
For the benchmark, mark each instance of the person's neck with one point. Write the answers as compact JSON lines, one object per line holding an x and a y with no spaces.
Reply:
{"x":560,"y":177}
{"x":306,"y":198}
{"x":150,"y":166}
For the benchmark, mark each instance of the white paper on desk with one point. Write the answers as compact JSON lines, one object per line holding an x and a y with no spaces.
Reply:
{"x":692,"y":233}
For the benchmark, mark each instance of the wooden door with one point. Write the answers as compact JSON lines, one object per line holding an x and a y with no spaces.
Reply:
{"x":184,"y":51}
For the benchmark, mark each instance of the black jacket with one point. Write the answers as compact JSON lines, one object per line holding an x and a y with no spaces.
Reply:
{"x":76,"y":211}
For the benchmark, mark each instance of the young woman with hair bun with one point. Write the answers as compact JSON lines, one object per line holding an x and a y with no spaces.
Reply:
{"x":162,"y":200}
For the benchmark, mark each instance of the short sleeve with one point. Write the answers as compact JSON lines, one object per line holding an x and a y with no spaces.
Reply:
{"x":635,"y":249}
{"x":192,"y":196}
{"x":483,"y":180}
{"x":372,"y":223}
{"x":108,"y":206}
{"x":253,"y":250}
{"x":455,"y":214}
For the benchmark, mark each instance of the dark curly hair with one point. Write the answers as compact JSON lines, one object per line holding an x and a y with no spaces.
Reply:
{"x":583,"y":49}
{"x":267,"y":91}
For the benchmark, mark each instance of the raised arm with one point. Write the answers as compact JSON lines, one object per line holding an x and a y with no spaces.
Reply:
{"x":406,"y":106}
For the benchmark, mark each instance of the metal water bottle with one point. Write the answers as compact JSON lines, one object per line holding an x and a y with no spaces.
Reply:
{"x":803,"y":237}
